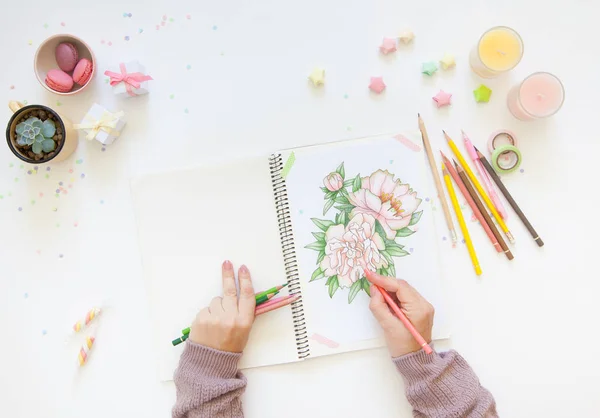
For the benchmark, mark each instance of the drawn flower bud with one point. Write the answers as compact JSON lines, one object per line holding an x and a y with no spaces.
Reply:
{"x":333,"y":182}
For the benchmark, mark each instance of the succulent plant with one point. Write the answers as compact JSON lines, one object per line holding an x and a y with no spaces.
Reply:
{"x":38,"y":134}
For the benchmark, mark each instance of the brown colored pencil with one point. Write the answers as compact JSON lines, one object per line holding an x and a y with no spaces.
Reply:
{"x":483,"y":210}
{"x":437,"y":180}
{"x":510,"y":199}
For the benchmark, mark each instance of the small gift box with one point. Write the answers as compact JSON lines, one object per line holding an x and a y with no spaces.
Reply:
{"x":130,"y":80}
{"x":102,"y":125}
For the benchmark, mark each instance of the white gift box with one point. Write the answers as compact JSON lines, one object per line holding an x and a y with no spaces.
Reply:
{"x":132,"y":69}
{"x":102,"y":125}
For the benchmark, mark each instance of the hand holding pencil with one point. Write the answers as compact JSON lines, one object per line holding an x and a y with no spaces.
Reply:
{"x":415,"y":309}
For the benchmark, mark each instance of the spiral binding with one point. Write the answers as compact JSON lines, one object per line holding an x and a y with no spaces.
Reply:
{"x":284,"y":222}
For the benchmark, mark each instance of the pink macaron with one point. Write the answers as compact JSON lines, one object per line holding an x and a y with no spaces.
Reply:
{"x":66,"y":56}
{"x":83,"y":71}
{"x":59,"y":81}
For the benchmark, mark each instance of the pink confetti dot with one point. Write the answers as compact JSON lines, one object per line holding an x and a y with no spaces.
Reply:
{"x":12,"y":87}
{"x":70,"y":170}
{"x":109,"y":43}
{"x":163,"y":23}
{"x":164,"y":17}
{"x":75,"y":224}
{"x":38,"y":252}
{"x":102,"y":41}
{"x":188,"y":16}
{"x":41,"y":194}
{"x":157,"y":27}
{"x":63,"y":24}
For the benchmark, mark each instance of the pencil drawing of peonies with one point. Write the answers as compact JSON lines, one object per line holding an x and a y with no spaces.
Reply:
{"x":348,"y":248}
{"x":390,"y":202}
{"x":333,"y":182}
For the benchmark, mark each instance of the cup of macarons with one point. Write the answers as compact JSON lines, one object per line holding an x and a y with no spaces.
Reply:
{"x":64,"y":64}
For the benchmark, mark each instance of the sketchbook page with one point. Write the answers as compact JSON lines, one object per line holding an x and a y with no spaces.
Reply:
{"x":353,"y":202}
{"x":189,"y":222}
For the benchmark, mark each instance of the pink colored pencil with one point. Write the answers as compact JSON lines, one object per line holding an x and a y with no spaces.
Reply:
{"x":471,"y":202}
{"x":484,"y":176}
{"x":273,"y":301}
{"x":278,"y":305}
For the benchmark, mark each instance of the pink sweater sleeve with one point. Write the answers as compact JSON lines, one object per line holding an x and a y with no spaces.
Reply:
{"x":443,"y":385}
{"x":208,"y":384}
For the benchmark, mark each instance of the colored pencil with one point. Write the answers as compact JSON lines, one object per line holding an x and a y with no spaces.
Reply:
{"x":477,"y":185}
{"x":271,"y":290}
{"x":288,"y":301}
{"x":436,"y":179}
{"x":274,"y":301}
{"x":401,"y":316}
{"x":474,"y":208}
{"x":510,"y":199}
{"x":180,"y":339}
{"x":484,"y":176}
{"x":484,"y":213}
{"x":461,"y":221}
{"x":265,"y":298}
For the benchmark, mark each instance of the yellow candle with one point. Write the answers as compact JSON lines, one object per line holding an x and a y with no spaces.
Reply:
{"x":500,"y":49}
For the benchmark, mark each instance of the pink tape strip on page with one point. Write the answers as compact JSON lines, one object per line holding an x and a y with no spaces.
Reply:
{"x":324,"y":340}
{"x":405,"y":141}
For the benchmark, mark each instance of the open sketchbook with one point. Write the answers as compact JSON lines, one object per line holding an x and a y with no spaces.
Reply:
{"x":309,"y":217}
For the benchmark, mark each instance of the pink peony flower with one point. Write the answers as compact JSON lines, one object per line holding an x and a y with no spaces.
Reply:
{"x":390,"y":202}
{"x":349,"y":248}
{"x":333,"y":182}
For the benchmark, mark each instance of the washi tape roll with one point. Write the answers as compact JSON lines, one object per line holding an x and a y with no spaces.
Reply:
{"x":501,"y":138}
{"x":503,"y":153}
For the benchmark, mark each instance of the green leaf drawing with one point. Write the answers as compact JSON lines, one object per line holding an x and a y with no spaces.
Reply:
{"x":357,"y":183}
{"x":330,"y":195}
{"x":344,"y":193}
{"x":325,"y":190}
{"x":392,"y":270}
{"x":328,"y":206}
{"x":342,"y":199}
{"x":333,"y":286}
{"x":346,"y":207}
{"x":322,"y":224}
{"x":342,"y":218}
{"x":341,"y":170}
{"x":387,"y":257}
{"x":366,"y":285}
{"x":321,"y":256}
{"x":348,"y":183}
{"x":319,"y":236}
{"x":354,"y":289}
{"x":396,"y":251}
{"x":317,"y":274}
{"x":329,"y":279}
{"x":404,"y":232}
{"x":317,"y":246}
{"x":415,"y":218}
{"x":379,"y":229}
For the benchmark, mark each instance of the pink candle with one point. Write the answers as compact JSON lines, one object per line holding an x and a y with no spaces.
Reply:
{"x":538,"y":96}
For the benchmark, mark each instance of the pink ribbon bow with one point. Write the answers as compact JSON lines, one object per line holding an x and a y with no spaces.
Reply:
{"x":131,"y":80}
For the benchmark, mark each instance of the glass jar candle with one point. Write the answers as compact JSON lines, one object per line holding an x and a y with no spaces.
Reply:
{"x":499,"y":50}
{"x":540,"y":95}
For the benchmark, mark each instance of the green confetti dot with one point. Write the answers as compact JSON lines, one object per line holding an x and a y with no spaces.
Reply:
{"x":79,"y":161}
{"x":11,"y":165}
{"x":57,"y":225}
{"x":345,"y":96}
{"x":25,"y":102}
{"x":1,"y":197}
{"x":186,"y":110}
{"x":33,"y":201}
{"x":16,"y":179}
{"x":47,"y":176}
{"x":21,"y":166}
{"x":171,"y":20}
{"x":172,"y":96}
{"x":45,"y":26}
{"x":348,"y":128}
{"x":9,"y":194}
{"x":107,"y":80}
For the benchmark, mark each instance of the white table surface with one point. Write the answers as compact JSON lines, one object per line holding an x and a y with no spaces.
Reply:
{"x":528,"y":327}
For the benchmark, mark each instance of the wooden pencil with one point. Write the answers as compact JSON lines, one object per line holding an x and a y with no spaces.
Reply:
{"x":476,"y":211}
{"x":461,"y":222}
{"x":288,"y":301}
{"x":265,"y":298}
{"x":479,"y":188}
{"x":510,"y":199}
{"x":486,"y":216}
{"x":437,"y":180}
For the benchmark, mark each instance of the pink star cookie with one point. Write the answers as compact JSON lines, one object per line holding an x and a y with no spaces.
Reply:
{"x":387,"y":45}
{"x":442,"y":98}
{"x":377,"y":85}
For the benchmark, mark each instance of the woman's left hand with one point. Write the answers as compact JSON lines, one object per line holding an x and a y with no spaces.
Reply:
{"x":225,"y":325}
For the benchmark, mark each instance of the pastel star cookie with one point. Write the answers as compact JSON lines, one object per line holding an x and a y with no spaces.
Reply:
{"x":448,"y":61}
{"x":406,"y":36}
{"x":317,"y":76}
{"x":388,"y":45}
{"x":429,"y":68}
{"x":482,"y":94}
{"x":377,"y":85}
{"x":442,"y":98}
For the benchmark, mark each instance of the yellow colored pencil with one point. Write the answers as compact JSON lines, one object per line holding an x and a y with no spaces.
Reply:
{"x":477,"y":185}
{"x":461,"y":221}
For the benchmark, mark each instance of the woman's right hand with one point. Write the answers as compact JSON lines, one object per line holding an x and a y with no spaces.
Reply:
{"x":415,"y":307}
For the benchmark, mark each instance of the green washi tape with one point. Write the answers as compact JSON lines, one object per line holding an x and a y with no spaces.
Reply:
{"x":501,"y":152}
{"x":288,"y":165}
